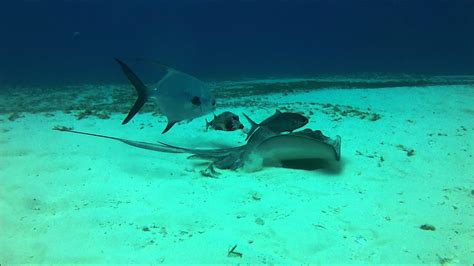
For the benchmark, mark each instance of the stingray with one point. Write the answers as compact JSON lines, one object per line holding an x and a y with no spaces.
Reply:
{"x":264,"y":144}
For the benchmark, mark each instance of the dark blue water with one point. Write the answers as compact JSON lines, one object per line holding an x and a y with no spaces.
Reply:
{"x":64,"y":42}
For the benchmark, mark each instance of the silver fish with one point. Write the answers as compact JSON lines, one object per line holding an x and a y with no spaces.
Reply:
{"x":178,"y":95}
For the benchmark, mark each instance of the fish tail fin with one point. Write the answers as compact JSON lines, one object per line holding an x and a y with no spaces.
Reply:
{"x":253,"y":126}
{"x":141,"y":89}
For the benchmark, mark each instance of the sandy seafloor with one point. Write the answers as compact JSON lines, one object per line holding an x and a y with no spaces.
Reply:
{"x":68,"y":198}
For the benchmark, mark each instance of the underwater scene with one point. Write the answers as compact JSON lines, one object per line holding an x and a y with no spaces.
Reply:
{"x":230,"y":132}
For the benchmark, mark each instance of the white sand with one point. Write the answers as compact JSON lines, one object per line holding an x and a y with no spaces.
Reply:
{"x":77,"y":199}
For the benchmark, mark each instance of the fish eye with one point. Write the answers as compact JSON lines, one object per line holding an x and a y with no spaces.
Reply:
{"x":196,"y":100}
{"x":229,"y":126}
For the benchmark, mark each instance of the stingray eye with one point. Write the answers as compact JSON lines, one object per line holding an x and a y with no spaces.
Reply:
{"x":196,"y":101}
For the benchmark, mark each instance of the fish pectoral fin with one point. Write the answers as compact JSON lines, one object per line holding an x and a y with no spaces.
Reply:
{"x":169,"y":126}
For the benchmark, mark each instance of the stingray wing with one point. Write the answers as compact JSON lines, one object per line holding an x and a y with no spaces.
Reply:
{"x":297,"y":147}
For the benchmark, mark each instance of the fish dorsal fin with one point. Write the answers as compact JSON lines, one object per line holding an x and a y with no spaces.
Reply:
{"x":158,"y":63}
{"x":253,"y":123}
{"x":253,"y":127}
{"x":168,"y":126}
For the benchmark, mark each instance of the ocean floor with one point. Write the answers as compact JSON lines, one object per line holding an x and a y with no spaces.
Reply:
{"x":403,"y":191}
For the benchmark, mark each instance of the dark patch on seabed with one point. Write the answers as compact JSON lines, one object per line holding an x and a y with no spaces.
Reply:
{"x":102,"y":100}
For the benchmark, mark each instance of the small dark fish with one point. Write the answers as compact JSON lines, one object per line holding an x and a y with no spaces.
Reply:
{"x":279,"y":122}
{"x":226,"y":121}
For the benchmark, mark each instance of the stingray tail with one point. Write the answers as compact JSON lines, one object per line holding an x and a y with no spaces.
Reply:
{"x":141,"y":89}
{"x":253,"y":127}
{"x":138,"y":144}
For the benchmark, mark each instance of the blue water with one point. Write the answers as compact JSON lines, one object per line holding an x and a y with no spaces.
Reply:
{"x":66,"y":42}
{"x":391,"y":183}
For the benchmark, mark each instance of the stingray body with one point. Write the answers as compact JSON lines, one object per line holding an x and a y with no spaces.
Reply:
{"x":298,"y":147}
{"x":179,"y":96}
